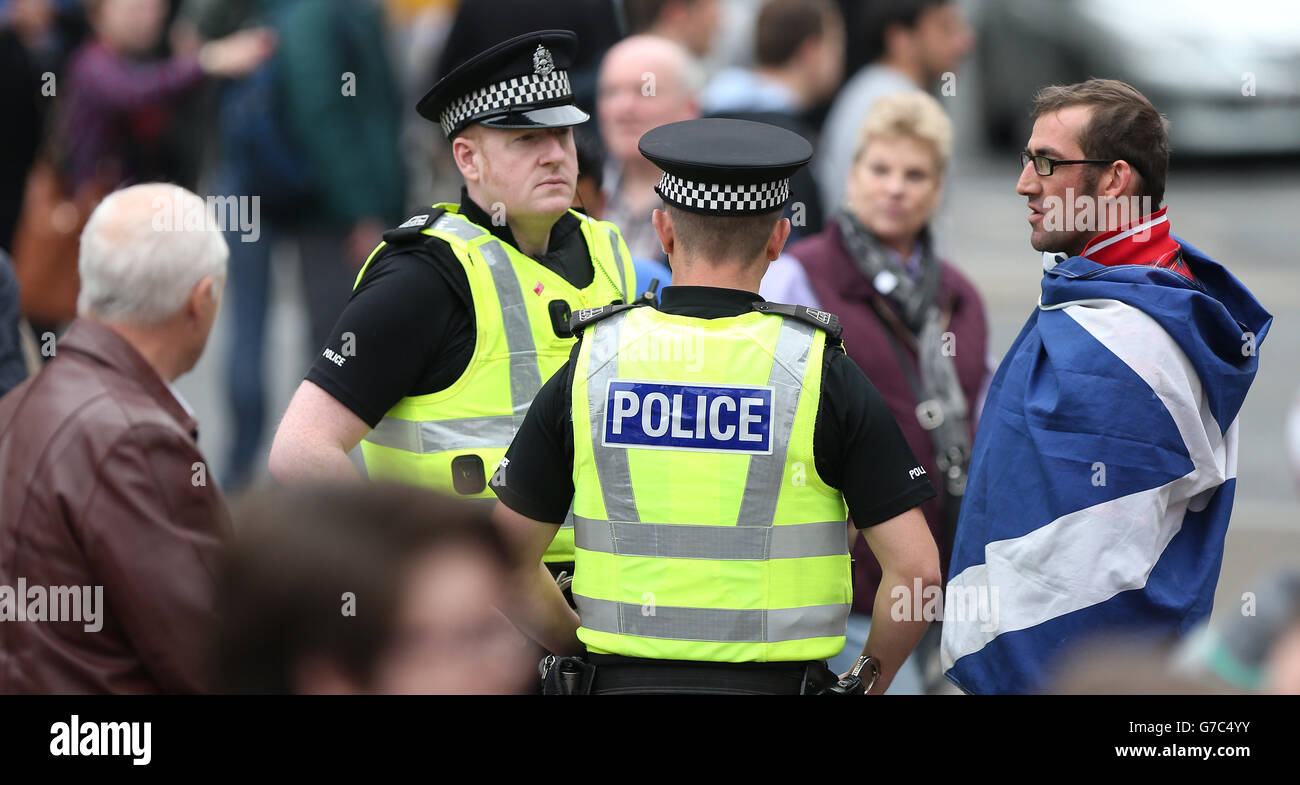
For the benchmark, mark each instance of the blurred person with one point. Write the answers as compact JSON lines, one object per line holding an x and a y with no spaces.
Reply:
{"x":1284,"y":663}
{"x":1122,"y":666}
{"x":50,"y":30}
{"x":462,"y":312}
{"x":207,"y":19}
{"x":645,"y":81}
{"x":799,"y":51}
{"x":913,"y":323}
{"x":418,"y":35}
{"x":734,"y":524}
{"x":1252,"y":651}
{"x":590,"y":199}
{"x":101,"y":478}
{"x":690,"y":23}
{"x":798,"y":54}
{"x":390,"y":589}
{"x":117,"y":103}
{"x":112,"y":117}
{"x":21,"y":78}
{"x":13,"y":366}
{"x":22,"y":24}
{"x":283,"y":129}
{"x":1104,"y":470}
{"x":913,"y":44}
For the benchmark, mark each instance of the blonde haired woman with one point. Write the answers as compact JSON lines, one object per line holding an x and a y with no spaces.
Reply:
{"x":912,"y":322}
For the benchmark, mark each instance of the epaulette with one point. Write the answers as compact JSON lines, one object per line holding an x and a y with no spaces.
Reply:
{"x":583,"y":317}
{"x":822,"y":320}
{"x":412,"y":230}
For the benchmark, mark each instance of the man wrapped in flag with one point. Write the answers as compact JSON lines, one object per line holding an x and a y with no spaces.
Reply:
{"x":1103,"y":472}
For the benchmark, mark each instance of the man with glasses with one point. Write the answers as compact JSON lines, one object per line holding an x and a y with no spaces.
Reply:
{"x":1104,"y":469}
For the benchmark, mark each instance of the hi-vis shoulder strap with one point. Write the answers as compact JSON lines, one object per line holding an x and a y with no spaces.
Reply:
{"x":412,"y":229}
{"x":585,"y":317}
{"x":825,"y":321}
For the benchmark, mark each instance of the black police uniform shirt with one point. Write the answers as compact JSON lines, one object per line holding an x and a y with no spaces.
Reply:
{"x":857,"y":445}
{"x":411,"y":321}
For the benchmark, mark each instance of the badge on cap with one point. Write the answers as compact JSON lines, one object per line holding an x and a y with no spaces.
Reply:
{"x":543,"y":63}
{"x":522,"y":83}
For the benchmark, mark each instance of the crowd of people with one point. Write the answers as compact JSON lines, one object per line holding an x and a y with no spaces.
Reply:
{"x":304,"y":112}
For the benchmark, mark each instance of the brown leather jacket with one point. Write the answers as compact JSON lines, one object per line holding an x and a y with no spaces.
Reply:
{"x":102,"y":485}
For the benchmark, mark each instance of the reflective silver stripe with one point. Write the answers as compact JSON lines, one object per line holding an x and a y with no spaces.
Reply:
{"x":628,"y":295}
{"x":611,"y":464}
{"x":568,"y":520}
{"x":440,"y":435}
{"x":452,"y":223}
{"x":728,"y":543}
{"x":712,"y":624}
{"x":358,"y":458}
{"x":525,"y":375}
{"x":767,"y":472}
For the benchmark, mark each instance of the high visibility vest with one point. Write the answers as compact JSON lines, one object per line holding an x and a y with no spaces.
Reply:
{"x":453,"y":440}
{"x":703,"y":531}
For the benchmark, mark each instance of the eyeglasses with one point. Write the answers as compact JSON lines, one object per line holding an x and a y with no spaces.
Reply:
{"x":1044,"y":165}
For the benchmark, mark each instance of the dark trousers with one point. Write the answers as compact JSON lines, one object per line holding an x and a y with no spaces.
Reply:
{"x":327,"y":278}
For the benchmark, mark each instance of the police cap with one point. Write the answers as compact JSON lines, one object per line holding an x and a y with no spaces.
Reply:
{"x":719,"y":166}
{"x":520,"y":83}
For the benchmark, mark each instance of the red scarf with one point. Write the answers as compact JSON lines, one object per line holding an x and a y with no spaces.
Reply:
{"x":1145,"y":241}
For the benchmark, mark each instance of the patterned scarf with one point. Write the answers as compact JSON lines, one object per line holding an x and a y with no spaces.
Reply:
{"x":941,"y":404}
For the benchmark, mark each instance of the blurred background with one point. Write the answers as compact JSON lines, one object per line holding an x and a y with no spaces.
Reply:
{"x":1226,"y":74}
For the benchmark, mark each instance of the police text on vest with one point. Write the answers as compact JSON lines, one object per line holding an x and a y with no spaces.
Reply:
{"x":103,"y":738}
{"x":663,"y":416}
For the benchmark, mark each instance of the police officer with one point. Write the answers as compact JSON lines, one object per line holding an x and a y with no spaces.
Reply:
{"x":712,"y":449}
{"x":462,"y":312}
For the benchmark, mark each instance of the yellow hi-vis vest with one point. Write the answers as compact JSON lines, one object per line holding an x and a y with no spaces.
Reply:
{"x":468,"y":426}
{"x":703,"y":531}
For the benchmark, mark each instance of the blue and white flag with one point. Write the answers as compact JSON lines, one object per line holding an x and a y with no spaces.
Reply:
{"x":1104,"y":468}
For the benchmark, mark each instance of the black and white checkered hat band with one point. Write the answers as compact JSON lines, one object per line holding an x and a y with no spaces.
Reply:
{"x":519,"y":91}
{"x":738,"y":199}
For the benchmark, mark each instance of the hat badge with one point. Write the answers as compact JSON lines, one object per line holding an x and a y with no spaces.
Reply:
{"x":543,"y":63}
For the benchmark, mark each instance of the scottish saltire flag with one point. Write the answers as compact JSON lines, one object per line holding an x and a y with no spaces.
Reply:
{"x":1103,"y":471}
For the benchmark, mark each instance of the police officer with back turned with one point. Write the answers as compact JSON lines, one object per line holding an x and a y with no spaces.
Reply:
{"x":712,"y":450}
{"x":462,"y":312}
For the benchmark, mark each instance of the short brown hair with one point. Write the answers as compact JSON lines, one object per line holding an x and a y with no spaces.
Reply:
{"x":1123,"y":126}
{"x":299,"y":549}
{"x":784,"y":25}
{"x":722,"y":238}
